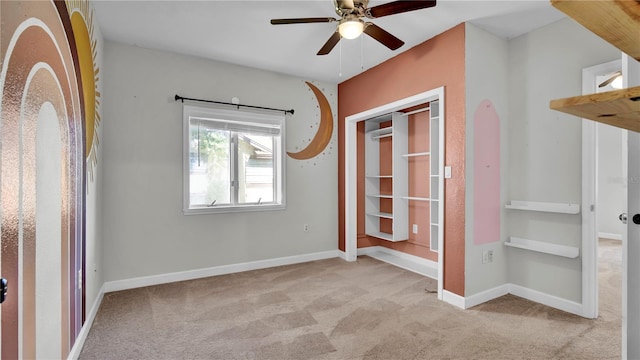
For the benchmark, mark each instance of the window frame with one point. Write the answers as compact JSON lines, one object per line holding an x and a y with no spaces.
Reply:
{"x":240,"y":119}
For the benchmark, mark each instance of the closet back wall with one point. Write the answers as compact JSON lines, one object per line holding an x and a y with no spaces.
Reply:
{"x":145,"y":230}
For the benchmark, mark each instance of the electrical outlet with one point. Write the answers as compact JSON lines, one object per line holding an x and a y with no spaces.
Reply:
{"x":487,"y":256}
{"x":415,"y":228}
{"x":306,"y":227}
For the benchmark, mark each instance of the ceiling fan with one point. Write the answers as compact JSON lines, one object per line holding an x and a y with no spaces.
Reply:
{"x":351,"y":23}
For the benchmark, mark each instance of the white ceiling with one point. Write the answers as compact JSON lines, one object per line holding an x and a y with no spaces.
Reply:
{"x":239,"y":31}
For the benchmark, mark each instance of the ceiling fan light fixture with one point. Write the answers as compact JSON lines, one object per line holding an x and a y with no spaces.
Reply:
{"x":351,"y":28}
{"x":617,"y":82}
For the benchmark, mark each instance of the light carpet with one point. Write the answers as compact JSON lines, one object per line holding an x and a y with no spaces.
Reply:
{"x":332,"y":309}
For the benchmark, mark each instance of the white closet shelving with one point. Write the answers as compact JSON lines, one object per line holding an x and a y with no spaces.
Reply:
{"x":386,"y":184}
{"x":387,"y":196}
{"x":436,"y":166}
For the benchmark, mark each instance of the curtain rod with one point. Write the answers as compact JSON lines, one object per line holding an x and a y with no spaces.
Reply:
{"x":181,"y":98}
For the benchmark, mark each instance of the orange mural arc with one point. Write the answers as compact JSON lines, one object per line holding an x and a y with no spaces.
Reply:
{"x":325,"y":128}
{"x":83,"y":32}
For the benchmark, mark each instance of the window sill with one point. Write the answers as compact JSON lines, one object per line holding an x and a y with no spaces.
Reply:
{"x":232,"y":209}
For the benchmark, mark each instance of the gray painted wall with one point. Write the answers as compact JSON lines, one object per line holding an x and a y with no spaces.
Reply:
{"x":145,"y":232}
{"x":486,"y":78}
{"x":94,"y":272}
{"x":545,"y":149}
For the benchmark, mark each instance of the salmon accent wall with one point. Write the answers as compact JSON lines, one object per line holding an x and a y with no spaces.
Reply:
{"x":437,"y":62}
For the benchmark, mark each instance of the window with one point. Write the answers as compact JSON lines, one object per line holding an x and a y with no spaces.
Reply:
{"x":233,"y":161}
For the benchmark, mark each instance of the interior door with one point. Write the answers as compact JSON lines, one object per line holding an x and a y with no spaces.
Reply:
{"x":631,"y":242}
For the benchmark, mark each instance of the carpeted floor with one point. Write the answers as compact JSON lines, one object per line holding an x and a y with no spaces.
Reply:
{"x":332,"y":309}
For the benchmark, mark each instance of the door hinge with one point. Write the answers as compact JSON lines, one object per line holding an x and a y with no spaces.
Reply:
{"x":80,"y":279}
{"x":592,"y":207}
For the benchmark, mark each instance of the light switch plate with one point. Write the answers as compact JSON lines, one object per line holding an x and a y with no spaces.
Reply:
{"x":447,"y":172}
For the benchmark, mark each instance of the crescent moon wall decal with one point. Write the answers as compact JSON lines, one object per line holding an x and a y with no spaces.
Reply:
{"x":325,"y":128}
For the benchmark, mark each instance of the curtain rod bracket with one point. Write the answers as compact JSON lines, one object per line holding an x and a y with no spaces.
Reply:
{"x":182,"y":98}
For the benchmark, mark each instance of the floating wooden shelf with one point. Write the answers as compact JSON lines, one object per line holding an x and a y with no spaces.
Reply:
{"x":571,"y":252}
{"x":620,"y":108}
{"x":617,"y":21}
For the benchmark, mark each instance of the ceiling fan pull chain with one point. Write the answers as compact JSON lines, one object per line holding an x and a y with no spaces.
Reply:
{"x":361,"y":52}
{"x":340,"y":71}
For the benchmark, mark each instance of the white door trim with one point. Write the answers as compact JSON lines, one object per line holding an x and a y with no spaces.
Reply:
{"x":590,"y":195}
{"x":631,"y":235}
{"x":351,"y":165}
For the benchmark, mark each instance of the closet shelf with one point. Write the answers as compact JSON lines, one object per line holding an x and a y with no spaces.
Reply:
{"x":544,"y":207}
{"x":383,"y":196}
{"x":381,"y":133}
{"x":382,"y":215}
{"x":543,"y":247}
{"x":416,"y":198}
{"x":614,"y":21}
{"x":416,"y":154}
{"x":620,"y":108}
{"x":384,"y":236}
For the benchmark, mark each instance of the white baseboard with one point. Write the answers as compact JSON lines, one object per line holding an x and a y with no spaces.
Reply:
{"x":342,"y":255}
{"x":84,"y":331}
{"x":214,"y":271}
{"x":546,"y":299}
{"x":517,"y":290}
{"x":487,"y":295}
{"x":402,"y":260}
{"x":610,"y":236}
{"x":453,"y":299}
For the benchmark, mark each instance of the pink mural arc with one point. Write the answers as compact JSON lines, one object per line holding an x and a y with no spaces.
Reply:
{"x":486,"y":174}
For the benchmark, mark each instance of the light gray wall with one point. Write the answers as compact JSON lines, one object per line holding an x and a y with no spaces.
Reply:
{"x":145,"y":231}
{"x":545,"y":149}
{"x":94,"y":272}
{"x":486,"y":78}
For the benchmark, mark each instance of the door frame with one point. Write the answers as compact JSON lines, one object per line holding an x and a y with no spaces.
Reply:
{"x":351,"y":166}
{"x":631,"y":249}
{"x":590,"y":194}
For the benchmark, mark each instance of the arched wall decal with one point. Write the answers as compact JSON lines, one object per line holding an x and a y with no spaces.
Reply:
{"x":486,"y":174}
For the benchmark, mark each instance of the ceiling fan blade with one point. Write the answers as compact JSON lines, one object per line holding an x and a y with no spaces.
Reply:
{"x":383,"y":36}
{"x":610,"y":80}
{"x":301,"y":20}
{"x":397,"y":7}
{"x":330,"y":44}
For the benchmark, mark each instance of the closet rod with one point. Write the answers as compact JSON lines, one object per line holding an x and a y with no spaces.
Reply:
{"x":182,"y":98}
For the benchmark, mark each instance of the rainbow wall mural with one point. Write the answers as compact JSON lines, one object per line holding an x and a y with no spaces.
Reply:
{"x":48,"y":116}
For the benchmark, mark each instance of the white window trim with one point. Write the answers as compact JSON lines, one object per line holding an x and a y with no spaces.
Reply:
{"x":279,"y":162}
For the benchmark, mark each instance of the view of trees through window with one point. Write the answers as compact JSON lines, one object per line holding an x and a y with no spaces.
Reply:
{"x":215,"y":161}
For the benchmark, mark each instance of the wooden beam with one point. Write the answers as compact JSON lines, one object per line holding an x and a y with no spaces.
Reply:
{"x":616,"y":21}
